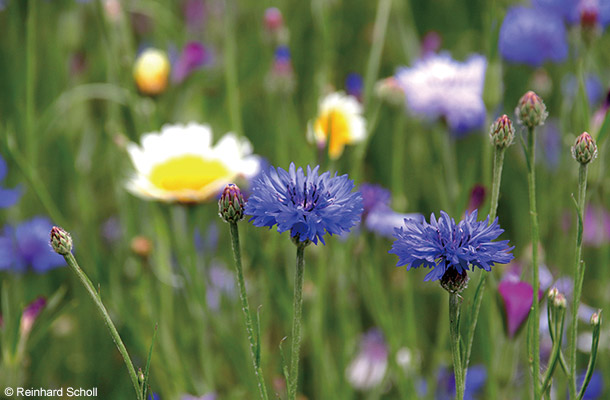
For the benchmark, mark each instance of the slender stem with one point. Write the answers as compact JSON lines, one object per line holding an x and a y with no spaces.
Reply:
{"x":398,"y":151}
{"x":495,"y":194}
{"x":113,"y":332}
{"x":30,"y":83}
{"x":454,"y":329}
{"x":245,"y":306}
{"x":535,"y":311}
{"x":379,"y":31}
{"x":231,"y":71}
{"x":296,"y":321}
{"x":579,"y":272}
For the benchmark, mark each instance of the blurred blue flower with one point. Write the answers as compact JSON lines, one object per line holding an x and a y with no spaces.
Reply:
{"x":595,"y":389}
{"x":443,"y":245}
{"x":570,"y":10}
{"x":593,"y":86}
{"x":475,"y":381}
{"x":368,"y":368}
{"x":8,"y":197}
{"x":27,"y":245}
{"x":551,"y":147}
{"x":438,"y":86}
{"x":374,"y":196}
{"x":306,"y":205}
{"x":220,"y":283}
{"x":193,"y":56}
{"x":353,"y":85}
{"x":532,"y":37}
{"x":384,"y":221}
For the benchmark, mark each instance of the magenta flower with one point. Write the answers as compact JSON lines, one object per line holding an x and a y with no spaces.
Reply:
{"x":517,"y":300}
{"x":193,"y":56}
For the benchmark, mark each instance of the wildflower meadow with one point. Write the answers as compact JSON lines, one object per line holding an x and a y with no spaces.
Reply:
{"x":323,"y":200}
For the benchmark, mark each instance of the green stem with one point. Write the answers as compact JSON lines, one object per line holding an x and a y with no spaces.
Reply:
{"x":113,"y":332}
{"x":254,"y":348}
{"x":30,"y":82}
{"x":231,"y":71}
{"x":579,"y":273}
{"x":454,"y":328}
{"x":379,"y":31}
{"x":398,"y":151}
{"x":299,"y":277}
{"x":478,"y":298}
{"x":535,"y":311}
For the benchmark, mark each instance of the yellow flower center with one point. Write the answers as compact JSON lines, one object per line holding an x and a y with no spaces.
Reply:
{"x":188,"y":172}
{"x":334,"y":125}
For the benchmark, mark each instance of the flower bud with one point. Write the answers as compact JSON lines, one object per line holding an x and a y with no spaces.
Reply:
{"x":584,"y":150}
{"x":151,"y":71}
{"x":273,"y":19}
{"x":553,"y":293}
{"x":531,"y":111}
{"x":30,"y":313}
{"x":560,"y":301}
{"x":61,"y":242}
{"x":231,"y":204}
{"x":596,"y":318}
{"x":502,"y":132}
{"x":453,"y":281}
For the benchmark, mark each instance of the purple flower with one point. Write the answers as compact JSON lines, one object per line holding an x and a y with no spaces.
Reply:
{"x":477,"y":197}
{"x":30,"y":313}
{"x":593,"y":87}
{"x":438,"y":86}
{"x":193,"y":56}
{"x":374,"y":196}
{"x":517,"y":300}
{"x":571,"y":10}
{"x":195,"y":12}
{"x":8,"y":197}
{"x":309,"y":206}
{"x":368,"y":368}
{"x":532,"y":37}
{"x":430,"y":44}
{"x":27,"y":245}
{"x":444,"y":245}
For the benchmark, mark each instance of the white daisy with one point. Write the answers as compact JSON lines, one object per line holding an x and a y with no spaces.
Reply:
{"x":339,"y":122}
{"x":179,"y":164}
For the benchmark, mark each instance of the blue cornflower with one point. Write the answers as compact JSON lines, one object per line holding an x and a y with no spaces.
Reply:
{"x":27,"y":245}
{"x":446,"y":246}
{"x":306,"y":205}
{"x":529,"y":36}
{"x":8,"y":197}
{"x":354,"y":85}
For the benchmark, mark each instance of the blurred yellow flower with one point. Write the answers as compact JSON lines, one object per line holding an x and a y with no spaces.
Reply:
{"x":179,"y":164}
{"x":151,"y":71}
{"x":339,"y":122}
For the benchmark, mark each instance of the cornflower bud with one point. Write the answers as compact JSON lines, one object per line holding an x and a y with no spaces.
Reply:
{"x":531,"y":110}
{"x":231,"y":204}
{"x":502,"y":132}
{"x":585,"y":149}
{"x":61,"y":241}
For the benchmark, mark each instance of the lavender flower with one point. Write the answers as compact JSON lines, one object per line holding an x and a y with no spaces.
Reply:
{"x":438,"y":86}
{"x":446,"y":246}
{"x":8,"y":197}
{"x":308,"y":206}
{"x":373,"y":197}
{"x":531,"y":37}
{"x":368,"y":368}
{"x":193,"y":56}
{"x":27,"y":245}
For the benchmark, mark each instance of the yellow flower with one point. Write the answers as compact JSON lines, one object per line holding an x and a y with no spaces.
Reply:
{"x":179,"y":164}
{"x":151,"y":71}
{"x":339,"y":122}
